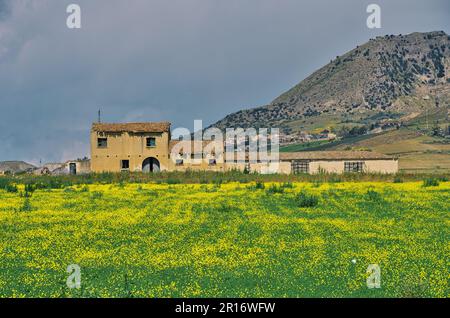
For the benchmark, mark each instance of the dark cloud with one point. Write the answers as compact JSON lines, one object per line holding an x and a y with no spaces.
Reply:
{"x":4,"y":8}
{"x":176,"y":60}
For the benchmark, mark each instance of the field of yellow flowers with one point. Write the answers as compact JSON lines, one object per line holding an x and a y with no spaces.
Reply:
{"x":227,"y":240}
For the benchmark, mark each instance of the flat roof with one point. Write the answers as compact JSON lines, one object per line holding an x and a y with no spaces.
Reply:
{"x":334,"y":155}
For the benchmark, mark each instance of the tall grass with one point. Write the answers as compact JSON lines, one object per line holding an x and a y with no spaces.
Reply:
{"x":431,"y":182}
{"x":201,"y":177}
{"x":306,"y":200}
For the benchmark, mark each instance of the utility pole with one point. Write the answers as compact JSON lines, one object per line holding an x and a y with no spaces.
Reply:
{"x":99,"y":116}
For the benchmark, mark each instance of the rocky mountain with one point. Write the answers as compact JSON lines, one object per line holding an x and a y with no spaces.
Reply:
{"x":399,"y":75}
{"x":15,"y":166}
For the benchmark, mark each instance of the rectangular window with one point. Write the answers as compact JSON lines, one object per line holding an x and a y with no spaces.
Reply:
{"x":125,"y":164}
{"x":300,"y":167}
{"x":212,"y":162}
{"x":151,"y":142}
{"x":179,"y":162}
{"x":357,"y":166}
{"x":102,"y":142}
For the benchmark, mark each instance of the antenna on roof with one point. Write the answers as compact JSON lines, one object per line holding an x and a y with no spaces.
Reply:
{"x":99,"y":116}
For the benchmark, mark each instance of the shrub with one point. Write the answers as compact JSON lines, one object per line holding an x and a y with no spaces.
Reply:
{"x":287,"y":185}
{"x":373,"y":195}
{"x":96,"y":195}
{"x":398,"y":180}
{"x":84,"y":189}
{"x":30,"y":188}
{"x":335,"y":179}
{"x":11,"y":188}
{"x":275,"y":189}
{"x":173,"y":181}
{"x":306,"y":200}
{"x":209,"y":189}
{"x":260,"y":185}
{"x":26,"y":206}
{"x":3,"y":182}
{"x":430,"y":182}
{"x":316,"y":184}
{"x":8,"y":186}
{"x":69,"y":190}
{"x":25,"y":194}
{"x":257,"y":186}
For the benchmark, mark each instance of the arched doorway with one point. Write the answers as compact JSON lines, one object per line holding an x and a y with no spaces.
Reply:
{"x":150,"y":165}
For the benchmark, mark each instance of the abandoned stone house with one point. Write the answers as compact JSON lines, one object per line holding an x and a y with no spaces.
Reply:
{"x":147,"y":147}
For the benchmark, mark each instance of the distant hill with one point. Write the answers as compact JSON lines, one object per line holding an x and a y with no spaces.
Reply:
{"x":15,"y":166}
{"x":398,"y":76}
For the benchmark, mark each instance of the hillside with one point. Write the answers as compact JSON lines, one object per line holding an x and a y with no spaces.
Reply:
{"x":394,"y":76}
{"x":15,"y":166}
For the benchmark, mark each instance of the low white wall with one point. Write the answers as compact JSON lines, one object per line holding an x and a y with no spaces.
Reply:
{"x":370,"y":166}
{"x":382,"y":166}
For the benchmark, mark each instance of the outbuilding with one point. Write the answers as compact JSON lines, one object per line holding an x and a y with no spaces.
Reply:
{"x":337,"y":162}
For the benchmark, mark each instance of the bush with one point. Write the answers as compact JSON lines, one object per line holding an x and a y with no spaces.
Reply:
{"x":316,"y":184}
{"x":398,"y":180}
{"x":275,"y":189}
{"x":96,"y":195}
{"x":8,"y":186}
{"x":26,"y":206}
{"x":287,"y":185}
{"x":335,"y":179}
{"x":84,"y":189}
{"x":25,"y":194}
{"x":306,"y":200}
{"x":260,"y":185}
{"x":373,"y":195}
{"x":256,"y":186}
{"x":173,"y":181}
{"x":430,"y":182}
{"x":11,"y":188}
{"x":30,"y":188}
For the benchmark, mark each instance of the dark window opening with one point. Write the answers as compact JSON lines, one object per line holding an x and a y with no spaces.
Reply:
{"x":354,"y":166}
{"x":102,"y":142}
{"x":212,"y":162}
{"x":300,"y":167}
{"x":125,"y":164}
{"x":179,"y":162}
{"x":151,"y":142}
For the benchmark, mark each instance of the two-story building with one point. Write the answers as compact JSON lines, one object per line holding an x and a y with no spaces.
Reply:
{"x":130,"y":147}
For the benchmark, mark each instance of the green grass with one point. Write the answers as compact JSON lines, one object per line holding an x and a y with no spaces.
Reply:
{"x":324,"y":145}
{"x":307,"y":146}
{"x":32,"y":182}
{"x":226,"y":240}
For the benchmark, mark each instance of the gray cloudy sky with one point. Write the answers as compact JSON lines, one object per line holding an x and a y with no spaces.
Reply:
{"x":176,"y":60}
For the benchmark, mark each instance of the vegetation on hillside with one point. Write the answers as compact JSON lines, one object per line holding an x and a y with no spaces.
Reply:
{"x":370,"y":79}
